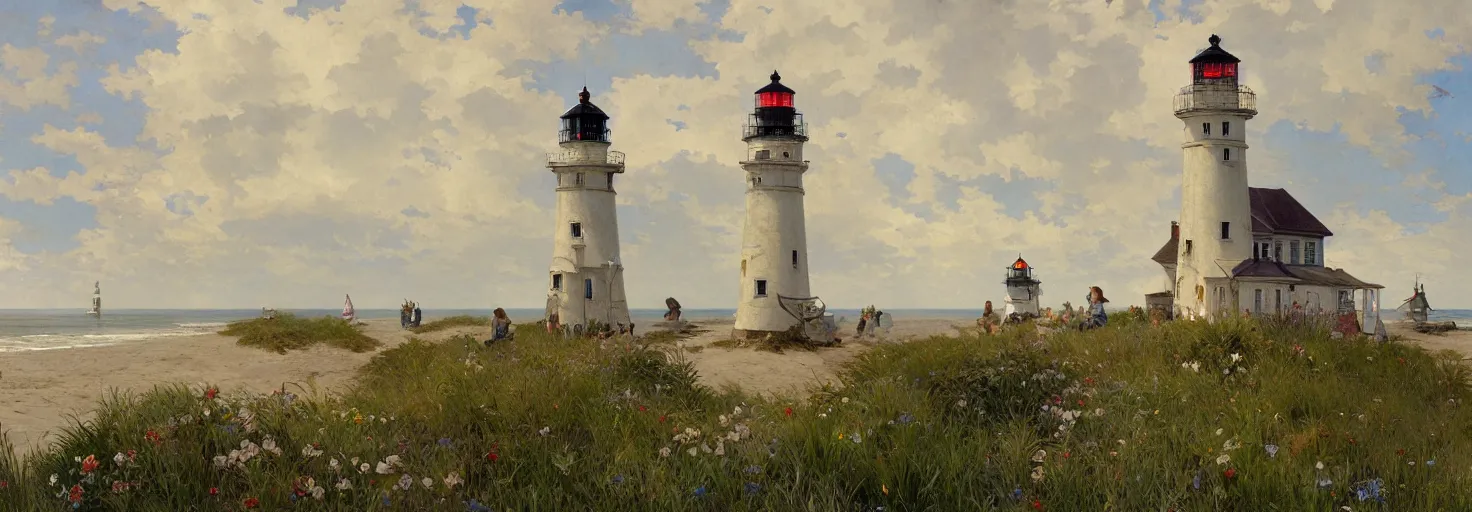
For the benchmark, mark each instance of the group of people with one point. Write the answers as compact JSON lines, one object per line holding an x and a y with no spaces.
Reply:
{"x":870,"y":320}
{"x":410,"y":315}
{"x":1092,"y":317}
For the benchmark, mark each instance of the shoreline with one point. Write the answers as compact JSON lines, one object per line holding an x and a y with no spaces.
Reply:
{"x":41,"y":389}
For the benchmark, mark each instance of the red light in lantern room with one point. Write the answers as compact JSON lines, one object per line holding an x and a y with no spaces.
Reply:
{"x":1020,"y":264}
{"x":774,"y":99}
{"x":1218,"y":70}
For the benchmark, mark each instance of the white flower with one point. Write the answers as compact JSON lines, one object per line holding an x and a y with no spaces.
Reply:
{"x":310,"y":451}
{"x":1230,"y":445}
{"x":453,"y":479}
{"x":1236,"y":357}
{"x":334,"y":465}
{"x":706,"y":448}
{"x":736,"y":412}
{"x":405,"y":482}
{"x":1319,"y":465}
{"x":343,"y":484}
{"x":52,"y":479}
{"x":1037,"y":474}
{"x":383,"y":468}
{"x":723,"y":420}
{"x":664,"y":452}
{"x":270,"y":445}
{"x":720,"y":448}
{"x":317,"y":492}
{"x":427,"y":482}
{"x":693,"y":451}
{"x":545,"y":431}
{"x":1219,"y":431}
{"x":1039,"y":455}
{"x":1223,"y":459}
{"x":363,"y":468}
{"x":392,"y":460}
{"x":845,"y":399}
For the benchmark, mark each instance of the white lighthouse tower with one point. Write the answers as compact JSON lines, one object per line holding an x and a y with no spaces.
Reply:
{"x":1216,"y":215}
{"x":774,"y":248}
{"x":1023,"y":290}
{"x":587,"y":283}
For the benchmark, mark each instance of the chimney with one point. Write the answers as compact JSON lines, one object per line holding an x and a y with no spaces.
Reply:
{"x":1175,"y":230}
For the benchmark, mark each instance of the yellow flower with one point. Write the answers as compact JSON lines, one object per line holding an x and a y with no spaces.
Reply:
{"x":884,"y":488}
{"x":358,"y":418}
{"x":840,"y":436}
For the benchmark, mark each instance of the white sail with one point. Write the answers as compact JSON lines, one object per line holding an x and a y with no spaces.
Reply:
{"x":348,"y":313}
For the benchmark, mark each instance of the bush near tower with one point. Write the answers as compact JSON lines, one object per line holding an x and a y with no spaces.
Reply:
{"x":1233,"y":416}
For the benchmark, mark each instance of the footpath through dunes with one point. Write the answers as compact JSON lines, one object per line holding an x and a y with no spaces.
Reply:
{"x":41,"y":390}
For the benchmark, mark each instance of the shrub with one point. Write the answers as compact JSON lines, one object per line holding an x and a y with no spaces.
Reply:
{"x":289,"y":332}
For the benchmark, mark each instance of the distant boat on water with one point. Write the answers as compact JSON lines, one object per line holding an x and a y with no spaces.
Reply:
{"x":96,"y":299}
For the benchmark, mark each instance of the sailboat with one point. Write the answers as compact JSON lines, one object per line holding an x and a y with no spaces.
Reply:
{"x":348,"y":313}
{"x":1416,"y":307}
{"x":96,"y":299}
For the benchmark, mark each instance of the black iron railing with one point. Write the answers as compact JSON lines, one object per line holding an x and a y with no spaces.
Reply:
{"x":1237,"y":98}
{"x":585,"y":135}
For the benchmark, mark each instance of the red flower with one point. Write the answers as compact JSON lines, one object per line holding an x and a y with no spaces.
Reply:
{"x":89,"y":464}
{"x":1089,"y":380}
{"x":119,"y":486}
{"x":151,"y":436}
{"x":1230,"y":473}
{"x":1037,"y":505}
{"x":642,"y":408}
{"x":4,"y":484}
{"x":492,"y":456}
{"x":661,"y":419}
{"x":209,"y":394}
{"x":1080,"y":403}
{"x":787,"y":411}
{"x":132,"y":454}
{"x":251,"y":503}
{"x":1067,"y":454}
{"x":1401,"y":452}
{"x":1402,"y":360}
{"x":76,"y":494}
{"x":214,"y":491}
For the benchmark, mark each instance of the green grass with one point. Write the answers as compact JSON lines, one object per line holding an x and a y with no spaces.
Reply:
{"x":451,"y":322}
{"x":289,"y":332}
{"x":938,"y":424}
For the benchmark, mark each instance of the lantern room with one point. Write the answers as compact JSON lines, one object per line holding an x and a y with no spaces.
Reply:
{"x":1019,"y":270}
{"x":776,"y":115}
{"x":1214,"y":65}
{"x":584,"y":122}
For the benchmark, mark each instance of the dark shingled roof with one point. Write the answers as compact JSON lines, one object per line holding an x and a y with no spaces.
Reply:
{"x":1278,"y":212}
{"x":1274,"y":210}
{"x":1264,"y":268}
{"x":1300,"y":274}
{"x":1215,"y":53}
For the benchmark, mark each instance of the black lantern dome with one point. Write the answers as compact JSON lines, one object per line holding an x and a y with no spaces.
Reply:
{"x":775,"y":115}
{"x":584,"y":122}
{"x":1214,"y":65}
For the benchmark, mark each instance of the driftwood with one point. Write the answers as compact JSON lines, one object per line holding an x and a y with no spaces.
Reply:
{"x":1435,"y":327}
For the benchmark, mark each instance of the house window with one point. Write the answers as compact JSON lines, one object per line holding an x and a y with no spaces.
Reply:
{"x":577,"y":230}
{"x":1226,"y":154}
{"x":1226,"y":128}
{"x":1345,"y":300}
{"x":1221,"y":298}
{"x":1310,"y":253}
{"x":794,"y":259}
{"x":1293,"y":252}
{"x":556,"y":281}
{"x":1226,"y":231}
{"x":1261,"y":250}
{"x":1278,"y":251}
{"x":763,"y":154}
{"x":588,"y":289}
{"x":1257,"y":300}
{"x":761,"y":287}
{"x":1206,"y":129}
{"x":578,"y":180}
{"x":1278,"y":300}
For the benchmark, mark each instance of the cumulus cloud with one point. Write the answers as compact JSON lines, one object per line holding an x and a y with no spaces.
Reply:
{"x":359,"y":149}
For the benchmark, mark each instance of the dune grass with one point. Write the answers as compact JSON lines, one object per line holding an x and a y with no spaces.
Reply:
{"x":1188,"y":416}
{"x":290,"y":332}
{"x":451,"y":322}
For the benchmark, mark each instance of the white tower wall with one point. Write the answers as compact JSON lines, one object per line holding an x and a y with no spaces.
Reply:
{"x":775,"y":235}
{"x":586,"y":197}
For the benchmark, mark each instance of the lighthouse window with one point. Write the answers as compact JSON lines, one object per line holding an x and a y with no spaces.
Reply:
{"x":1188,"y":247}
{"x":1206,"y":129}
{"x":579,"y":179}
{"x":588,"y":289}
{"x":761,"y":287}
{"x":786,"y":155}
{"x":1226,"y":154}
{"x":556,"y":281}
{"x":1226,"y":128}
{"x":577,"y":230}
{"x":794,"y":259}
{"x":610,"y":181}
{"x":763,"y":154}
{"x":1226,"y":231}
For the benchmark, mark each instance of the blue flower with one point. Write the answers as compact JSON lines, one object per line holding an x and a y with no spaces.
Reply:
{"x":618,"y":479}
{"x":291,"y":496}
{"x":475,"y":506}
{"x":385,"y":501}
{"x":1196,"y":481}
{"x":700,"y":491}
{"x":753,"y":488}
{"x":444,"y":441}
{"x":1431,"y":462}
{"x":906,"y":418}
{"x":752,"y":470}
{"x":1017,"y":493}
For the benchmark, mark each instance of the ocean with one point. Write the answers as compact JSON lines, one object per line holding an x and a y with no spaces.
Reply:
{"x":51,"y":329}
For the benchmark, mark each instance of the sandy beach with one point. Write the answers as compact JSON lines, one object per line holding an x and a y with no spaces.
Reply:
{"x":40,"y":390}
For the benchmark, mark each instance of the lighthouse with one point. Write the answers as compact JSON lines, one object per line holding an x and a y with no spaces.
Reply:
{"x":586,"y":283}
{"x":774,"y":247}
{"x":1216,"y":210}
{"x":1023,"y":290}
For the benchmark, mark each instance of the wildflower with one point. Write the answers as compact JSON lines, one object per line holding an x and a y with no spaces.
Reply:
{"x":723,"y":420}
{"x":405,"y":482}
{"x":119,"y":459}
{"x":1037,"y":504}
{"x":1324,"y":483}
{"x":1319,"y":465}
{"x":1223,"y":459}
{"x":444,"y":442}
{"x":1230,"y":473}
{"x":427,"y":482}
{"x":384,"y":468}
{"x":1431,"y":462}
{"x":1017,"y":493}
{"x":693,"y":451}
{"x":269,"y":445}
{"x":1039,"y":456}
{"x":1235,"y":357}
{"x":318,"y":492}
{"x":343,"y":484}
{"x":209,"y":394}
{"x":1230,"y":445}
{"x":661,"y":419}
{"x":1218,"y":431}
{"x":251,"y":503}
{"x":1272,"y":450}
{"x":363,"y":468}
{"x":545,"y":431}
{"x":884,"y":489}
{"x":334,"y":465}
{"x":358,"y":418}
{"x":310,"y":451}
{"x":1037,"y":473}
{"x":845,"y":399}
{"x":752,"y":470}
{"x":617,"y":479}
{"x":453,"y":479}
{"x":720,"y":450}
{"x":89,"y":464}
{"x":151,"y":436}
{"x":700,"y":491}
{"x":787,"y":411}
{"x":1196,"y":481}
{"x":664,"y":452}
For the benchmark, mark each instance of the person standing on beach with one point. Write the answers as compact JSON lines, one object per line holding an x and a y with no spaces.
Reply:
{"x":554,"y":323}
{"x":863,"y":321}
{"x":989,"y":320}
{"x":1097,"y":318}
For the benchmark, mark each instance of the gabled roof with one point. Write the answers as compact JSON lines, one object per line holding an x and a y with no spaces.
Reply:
{"x":1167,"y":253}
{"x":1274,"y":210}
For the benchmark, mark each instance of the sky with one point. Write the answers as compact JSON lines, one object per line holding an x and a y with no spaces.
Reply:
{"x":204,"y":154}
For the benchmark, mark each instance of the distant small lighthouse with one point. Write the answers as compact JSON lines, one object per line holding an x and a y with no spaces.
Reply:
{"x":96,"y":299}
{"x":1023,"y":290}
{"x":587,"y":282}
{"x":1216,"y":211}
{"x":774,"y":247}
